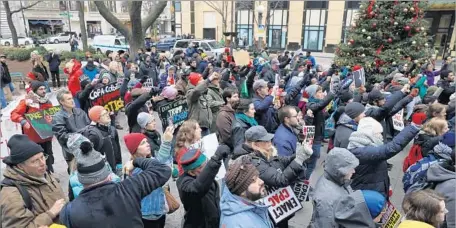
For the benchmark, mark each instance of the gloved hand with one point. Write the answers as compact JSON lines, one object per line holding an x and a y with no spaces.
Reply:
{"x":222,"y":152}
{"x":303,"y":152}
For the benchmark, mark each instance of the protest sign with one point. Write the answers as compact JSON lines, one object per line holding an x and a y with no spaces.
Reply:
{"x":335,"y":81}
{"x":392,"y":217}
{"x":210,"y":144}
{"x":301,"y":190}
{"x":242,"y":57}
{"x":360,"y":77}
{"x":120,"y":80}
{"x":41,"y":121}
{"x":176,"y":111}
{"x":148,"y":84}
{"x":107,"y":96}
{"x":398,"y":120}
{"x":282,"y":203}
{"x":309,"y":133}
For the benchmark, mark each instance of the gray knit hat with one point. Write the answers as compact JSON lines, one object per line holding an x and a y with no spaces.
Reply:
{"x":143,"y":119}
{"x":91,"y":166}
{"x":354,"y":109}
{"x":312,"y":90}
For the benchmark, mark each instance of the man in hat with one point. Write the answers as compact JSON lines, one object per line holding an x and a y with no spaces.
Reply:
{"x":264,"y":107}
{"x":198,"y":189}
{"x":242,"y":188}
{"x":348,"y":123}
{"x":30,"y":196}
{"x":35,"y":101}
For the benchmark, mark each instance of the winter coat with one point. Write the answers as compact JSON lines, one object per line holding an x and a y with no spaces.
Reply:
{"x":344,"y":128}
{"x":150,"y":71}
{"x":200,"y":196}
{"x":242,"y":213}
{"x":110,"y":145}
{"x":238,"y":129}
{"x":319,"y":116}
{"x":199,"y":104}
{"x":445,"y":180}
{"x":17,"y":115}
{"x":41,"y":68}
{"x":448,"y":90}
{"x":224,"y":122}
{"x":277,"y":171}
{"x":74,"y":83}
{"x":351,"y":211}
{"x":91,"y":73}
{"x":414,"y":224}
{"x":265,"y":112}
{"x":285,"y":141}
{"x":426,"y":142}
{"x":43,"y":195}
{"x":430,"y":75}
{"x":372,"y":172}
{"x":116,"y":204}
{"x":154,"y":140}
{"x":5,"y":77}
{"x":135,"y":107}
{"x":202,"y":66}
{"x":54,"y":62}
{"x":215,"y":103}
{"x":83,"y":97}
{"x":329,"y":189}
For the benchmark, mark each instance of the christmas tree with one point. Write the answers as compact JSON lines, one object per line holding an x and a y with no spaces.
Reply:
{"x":385,"y":32}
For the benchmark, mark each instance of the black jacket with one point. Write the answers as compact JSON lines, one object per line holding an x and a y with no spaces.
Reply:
{"x":54,"y":62}
{"x":4,"y":75}
{"x":116,"y":204}
{"x":40,"y":68}
{"x":83,"y":97}
{"x":320,"y":116}
{"x":134,"y":108}
{"x":426,"y":142}
{"x":201,"y":197}
{"x":448,"y":89}
{"x":154,"y":140}
{"x":110,"y":145}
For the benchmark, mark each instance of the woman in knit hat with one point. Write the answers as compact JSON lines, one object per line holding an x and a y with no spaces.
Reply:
{"x":153,"y":206}
{"x":188,"y":137}
{"x":147,"y":123}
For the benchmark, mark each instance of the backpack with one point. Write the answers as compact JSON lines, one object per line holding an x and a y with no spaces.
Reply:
{"x":415,"y":178}
{"x":92,"y":130}
{"x":22,"y":190}
{"x":413,"y":156}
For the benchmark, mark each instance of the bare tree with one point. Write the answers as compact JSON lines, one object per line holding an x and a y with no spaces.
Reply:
{"x":80,"y":6}
{"x":221,"y":7}
{"x":135,"y":34}
{"x":9,"y":18}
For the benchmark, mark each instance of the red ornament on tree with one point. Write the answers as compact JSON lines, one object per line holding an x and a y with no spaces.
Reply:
{"x":390,"y":40}
{"x":407,"y":28}
{"x":374,"y":25}
{"x":417,"y":29}
{"x":351,"y":41}
{"x":372,"y":14}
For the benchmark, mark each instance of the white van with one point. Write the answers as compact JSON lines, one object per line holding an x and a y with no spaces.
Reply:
{"x":114,"y":43}
{"x":210,"y":47}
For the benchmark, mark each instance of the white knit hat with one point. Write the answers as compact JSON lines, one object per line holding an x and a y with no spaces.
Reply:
{"x":369,"y":125}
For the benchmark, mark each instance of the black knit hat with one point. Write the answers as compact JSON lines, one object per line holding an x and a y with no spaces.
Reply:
{"x":35,"y":85}
{"x":21,"y":148}
{"x":375,"y":95}
{"x":240,"y":175}
{"x":346,"y":96}
{"x":354,"y":109}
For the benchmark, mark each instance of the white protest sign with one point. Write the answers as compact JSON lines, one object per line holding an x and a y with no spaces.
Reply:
{"x":309,"y":134}
{"x":148,"y":84}
{"x":210,"y":144}
{"x":391,"y":218}
{"x":282,"y":203}
{"x":301,"y":190}
{"x":398,"y":120}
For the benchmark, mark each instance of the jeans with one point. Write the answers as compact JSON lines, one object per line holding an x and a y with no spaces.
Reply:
{"x":55,"y":77}
{"x":3,"y":102}
{"x":416,"y":100}
{"x":48,"y":89}
{"x":312,"y":161}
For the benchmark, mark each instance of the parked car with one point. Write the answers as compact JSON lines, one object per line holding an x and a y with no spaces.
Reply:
{"x":166,"y":44}
{"x":21,"y":41}
{"x":210,"y":47}
{"x":102,"y":43}
{"x":63,"y":37}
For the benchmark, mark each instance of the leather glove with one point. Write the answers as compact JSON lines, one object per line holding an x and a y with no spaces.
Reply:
{"x":303,"y":152}
{"x":222,"y":152}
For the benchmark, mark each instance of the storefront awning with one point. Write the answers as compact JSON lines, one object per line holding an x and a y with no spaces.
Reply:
{"x":46,"y":22}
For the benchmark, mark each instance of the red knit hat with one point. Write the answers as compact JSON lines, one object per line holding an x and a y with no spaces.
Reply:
{"x":95,"y":113}
{"x":194,"y":78}
{"x":132,"y":141}
{"x":419,"y":118}
{"x":356,"y":67}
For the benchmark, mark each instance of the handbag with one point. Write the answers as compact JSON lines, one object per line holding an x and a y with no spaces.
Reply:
{"x":173,"y":204}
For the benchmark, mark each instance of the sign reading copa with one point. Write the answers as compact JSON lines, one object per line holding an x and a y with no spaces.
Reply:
{"x":41,"y":121}
{"x":282,"y":203}
{"x":107,"y":96}
{"x":176,"y":111}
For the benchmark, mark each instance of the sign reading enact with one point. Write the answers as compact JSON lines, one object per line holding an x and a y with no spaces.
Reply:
{"x":282,"y":203}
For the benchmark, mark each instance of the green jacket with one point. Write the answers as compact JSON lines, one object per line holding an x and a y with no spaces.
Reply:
{"x":215,"y":103}
{"x":421,"y":86}
{"x":198,"y":102}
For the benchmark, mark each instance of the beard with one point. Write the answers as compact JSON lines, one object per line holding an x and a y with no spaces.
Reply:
{"x":235,"y":105}
{"x":254,"y":196}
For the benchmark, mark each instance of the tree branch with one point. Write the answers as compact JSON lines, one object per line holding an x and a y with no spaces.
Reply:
{"x":150,"y":19}
{"x":111,"y":19}
{"x":24,"y":8}
{"x":215,"y":7}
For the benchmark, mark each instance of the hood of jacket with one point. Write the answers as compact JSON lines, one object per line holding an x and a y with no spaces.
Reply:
{"x":16,"y":174}
{"x":362,"y":139}
{"x":346,"y":121}
{"x":338,"y":164}
{"x":443,"y":151}
{"x":231,"y":204}
{"x":351,"y":211}
{"x":438,"y":173}
{"x":226,"y":108}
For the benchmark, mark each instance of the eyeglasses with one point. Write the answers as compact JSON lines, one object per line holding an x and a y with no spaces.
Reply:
{"x":37,"y":161}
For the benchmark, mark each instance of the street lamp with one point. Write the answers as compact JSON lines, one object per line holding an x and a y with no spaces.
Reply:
{"x":260,"y":11}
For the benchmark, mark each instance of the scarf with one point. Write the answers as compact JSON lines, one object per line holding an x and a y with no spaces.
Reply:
{"x":247,"y":119}
{"x":34,"y":100}
{"x":361,"y":139}
{"x":314,"y":100}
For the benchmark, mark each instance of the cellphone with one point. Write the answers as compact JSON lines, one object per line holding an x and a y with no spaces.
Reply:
{"x":170,"y":121}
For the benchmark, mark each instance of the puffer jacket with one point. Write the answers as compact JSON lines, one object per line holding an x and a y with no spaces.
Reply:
{"x":426,"y":142}
{"x":265,"y":113}
{"x":285,"y":140}
{"x":444,"y":176}
{"x":74,"y":83}
{"x":17,"y":115}
{"x":242,"y":213}
{"x":43,"y":193}
{"x":344,"y":128}
{"x":199,"y":104}
{"x":372,"y":172}
{"x":110,"y":144}
{"x":352,"y":212}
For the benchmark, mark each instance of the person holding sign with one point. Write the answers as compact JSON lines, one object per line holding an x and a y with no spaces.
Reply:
{"x":241,"y":189}
{"x":35,"y":101}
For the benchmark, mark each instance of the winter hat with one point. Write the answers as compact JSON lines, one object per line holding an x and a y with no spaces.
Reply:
{"x":448,"y":139}
{"x":169,"y":92}
{"x":346,"y":96}
{"x":312,"y":90}
{"x":35,"y":85}
{"x":240,"y":175}
{"x":339,"y":161}
{"x":369,"y":125}
{"x":194,"y":78}
{"x":419,"y":117}
{"x":132,"y":141}
{"x":95,"y":113}
{"x":354,"y":109}
{"x":21,"y":148}
{"x":259,"y":83}
{"x":192,"y":159}
{"x":375,"y":202}
{"x":144,"y":119}
{"x":375,"y":95}
{"x":105,"y":74}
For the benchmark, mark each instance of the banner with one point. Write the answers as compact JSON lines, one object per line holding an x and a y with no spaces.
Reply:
{"x":392,"y":217}
{"x":360,"y":77}
{"x":282,"y":203}
{"x":210,"y":145}
{"x":309,"y":134}
{"x":301,"y":190}
{"x":107,"y":96}
{"x":176,"y":111}
{"x":41,"y":121}
{"x":398,"y":120}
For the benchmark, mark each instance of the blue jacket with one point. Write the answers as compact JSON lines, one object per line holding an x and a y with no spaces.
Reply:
{"x":265,"y":114}
{"x":242,"y":213}
{"x":202,"y":66}
{"x":190,"y":51}
{"x":90,"y":73}
{"x":285,"y":141}
{"x":312,"y":59}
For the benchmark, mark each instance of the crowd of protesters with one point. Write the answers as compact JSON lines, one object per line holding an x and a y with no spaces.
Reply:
{"x":258,"y":112}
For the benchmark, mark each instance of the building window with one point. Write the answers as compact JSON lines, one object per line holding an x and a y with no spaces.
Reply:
{"x":314,"y":25}
{"x":92,"y":7}
{"x":124,"y":7}
{"x":73,"y":5}
{"x":177,"y":6}
{"x":111,"y":5}
{"x":277,"y":21}
{"x":350,"y":14}
{"x":192,"y":17}
{"x":244,"y":23}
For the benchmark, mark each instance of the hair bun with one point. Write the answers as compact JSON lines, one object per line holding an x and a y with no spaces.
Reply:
{"x":86,"y":147}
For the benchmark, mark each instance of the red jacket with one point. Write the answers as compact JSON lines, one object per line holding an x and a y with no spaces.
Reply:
{"x":17,"y":115}
{"x":74,"y":85}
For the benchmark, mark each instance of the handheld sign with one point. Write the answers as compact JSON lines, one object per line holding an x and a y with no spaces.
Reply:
{"x":309,"y":133}
{"x":41,"y":121}
{"x":301,"y":190}
{"x":210,"y":144}
{"x":120,"y":80}
{"x":148,"y":84}
{"x":360,"y":77}
{"x":242,"y":57}
{"x":107,"y":96}
{"x":391,"y":218}
{"x":177,"y":111}
{"x":282,"y":203}
{"x":398,"y":120}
